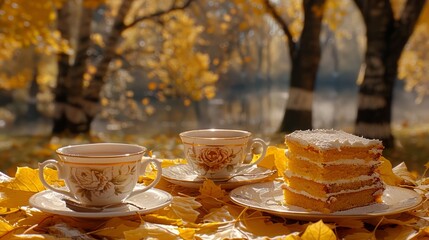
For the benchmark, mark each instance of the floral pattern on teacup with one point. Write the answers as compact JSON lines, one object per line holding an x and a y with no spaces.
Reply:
{"x":212,"y":158}
{"x":102,"y":182}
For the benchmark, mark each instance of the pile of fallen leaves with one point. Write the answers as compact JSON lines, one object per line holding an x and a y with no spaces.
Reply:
{"x":205,"y":213}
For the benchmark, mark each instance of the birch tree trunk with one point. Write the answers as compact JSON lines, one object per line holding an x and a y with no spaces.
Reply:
{"x":386,"y":38}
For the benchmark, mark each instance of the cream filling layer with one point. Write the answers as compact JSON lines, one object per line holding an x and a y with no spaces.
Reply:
{"x":354,"y":161}
{"x":374,"y":176}
{"x":330,"y":195}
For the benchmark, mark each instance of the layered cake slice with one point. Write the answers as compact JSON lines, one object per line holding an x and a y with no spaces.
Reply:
{"x":331,"y":170}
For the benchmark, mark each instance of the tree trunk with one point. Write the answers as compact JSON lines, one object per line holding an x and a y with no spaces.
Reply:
{"x":92,"y":94}
{"x":63,"y":68}
{"x":77,"y":106}
{"x":386,"y":38}
{"x":70,"y":110}
{"x":305,"y":64}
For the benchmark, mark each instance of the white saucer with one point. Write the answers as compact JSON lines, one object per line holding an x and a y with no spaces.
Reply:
{"x":151,"y":200}
{"x":268,"y":197}
{"x":184,"y":175}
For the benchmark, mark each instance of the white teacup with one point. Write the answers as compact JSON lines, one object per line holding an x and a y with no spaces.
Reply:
{"x":219,"y":153}
{"x":100,"y":174}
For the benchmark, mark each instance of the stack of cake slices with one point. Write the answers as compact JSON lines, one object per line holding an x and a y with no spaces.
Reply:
{"x":331,"y":170}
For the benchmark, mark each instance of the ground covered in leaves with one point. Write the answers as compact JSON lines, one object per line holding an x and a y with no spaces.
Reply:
{"x":204,"y":213}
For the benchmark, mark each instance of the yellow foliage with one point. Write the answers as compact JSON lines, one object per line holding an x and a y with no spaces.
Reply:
{"x":18,"y":81}
{"x":187,"y":233}
{"x":334,"y":14}
{"x":260,"y":225}
{"x":204,"y":214}
{"x":28,"y":23}
{"x":185,"y":72}
{"x":114,"y":228}
{"x":27,"y":179}
{"x":413,"y":64}
{"x":318,"y":231}
{"x":152,"y":231}
{"x":16,"y":192}
{"x":275,"y":159}
{"x":212,"y":195}
{"x":386,"y":173}
{"x":360,"y":236}
{"x":4,"y":227}
{"x":183,"y":208}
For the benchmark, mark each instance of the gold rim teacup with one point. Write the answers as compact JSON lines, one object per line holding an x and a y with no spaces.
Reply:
{"x":100,"y":174}
{"x":219,"y":153}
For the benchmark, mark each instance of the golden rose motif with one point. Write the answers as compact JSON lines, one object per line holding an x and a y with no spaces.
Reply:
{"x":215,"y":158}
{"x":90,"y":179}
{"x":101,"y":182}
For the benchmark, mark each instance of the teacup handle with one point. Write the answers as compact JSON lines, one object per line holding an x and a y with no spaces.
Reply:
{"x":47,"y":185}
{"x":255,"y":141}
{"x":143,"y":165}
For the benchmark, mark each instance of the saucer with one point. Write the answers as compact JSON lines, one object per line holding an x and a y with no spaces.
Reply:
{"x":183,"y":175}
{"x":268,"y":197}
{"x":149,"y":201}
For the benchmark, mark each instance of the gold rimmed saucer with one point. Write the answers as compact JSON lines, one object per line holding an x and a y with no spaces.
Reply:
{"x":268,"y":197}
{"x":149,"y":201}
{"x":183,"y":175}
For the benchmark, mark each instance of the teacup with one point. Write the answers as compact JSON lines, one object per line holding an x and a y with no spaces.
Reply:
{"x":219,"y":153}
{"x":100,"y":174}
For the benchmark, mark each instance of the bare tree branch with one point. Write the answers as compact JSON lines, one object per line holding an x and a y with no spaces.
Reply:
{"x":280,"y":21}
{"x":159,"y":13}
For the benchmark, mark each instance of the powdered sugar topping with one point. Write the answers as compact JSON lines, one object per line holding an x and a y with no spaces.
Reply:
{"x":329,"y":139}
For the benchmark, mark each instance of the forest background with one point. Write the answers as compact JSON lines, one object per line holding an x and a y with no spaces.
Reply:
{"x":142,"y":71}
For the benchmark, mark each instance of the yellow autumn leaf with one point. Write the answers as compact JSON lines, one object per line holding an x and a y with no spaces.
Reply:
{"x":181,"y":208}
{"x":209,"y":188}
{"x":27,"y":179}
{"x":394,"y":221}
{"x":33,"y":236}
{"x":7,"y":210}
{"x":275,"y":158}
{"x":260,"y":225}
{"x":187,"y":233}
{"x":160,"y":219}
{"x":386,"y":173}
{"x":5,"y":227}
{"x":224,"y":231}
{"x":360,"y":236}
{"x":16,"y":191}
{"x":171,"y":162}
{"x":280,"y":162}
{"x":221,"y":214}
{"x":14,"y":199}
{"x":395,"y":233}
{"x":268,"y":161}
{"x":28,"y":217}
{"x":318,"y":231}
{"x":402,"y":171}
{"x":212,"y":195}
{"x":292,"y":236}
{"x":349,"y":223}
{"x":115,"y":228}
{"x":152,"y":231}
